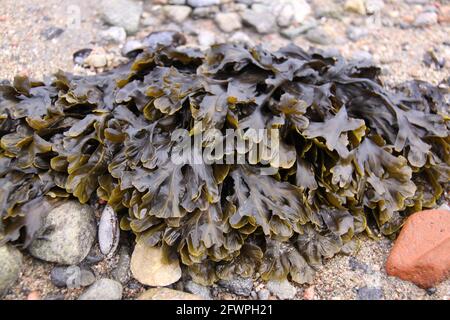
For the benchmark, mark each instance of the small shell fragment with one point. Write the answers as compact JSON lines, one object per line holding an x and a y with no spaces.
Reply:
{"x":108,"y":231}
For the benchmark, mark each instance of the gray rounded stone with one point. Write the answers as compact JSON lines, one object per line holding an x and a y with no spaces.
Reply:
{"x":103,"y":289}
{"x":198,"y":290}
{"x":177,"y":13}
{"x":71,"y":277}
{"x":356,"y":33}
{"x":228,"y":21}
{"x":318,"y":36}
{"x":113,"y":35}
{"x":122,"y":13}
{"x":260,"y":18}
{"x":11,"y":266}
{"x":67,"y":234}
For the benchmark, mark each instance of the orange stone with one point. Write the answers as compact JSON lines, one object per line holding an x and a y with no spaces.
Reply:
{"x":421,"y":254}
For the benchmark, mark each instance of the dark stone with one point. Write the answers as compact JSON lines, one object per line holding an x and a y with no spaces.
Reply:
{"x":431,"y":291}
{"x":239,"y":286}
{"x":134,"y":285}
{"x":94,"y":256}
{"x":71,"y":277}
{"x":357,"y":265}
{"x":52,"y":33}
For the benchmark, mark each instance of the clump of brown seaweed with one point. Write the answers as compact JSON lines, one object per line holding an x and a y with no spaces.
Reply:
{"x":354,"y":156}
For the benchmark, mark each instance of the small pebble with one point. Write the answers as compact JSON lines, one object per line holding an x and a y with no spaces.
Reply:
{"x":426,"y":19}
{"x":198,"y":289}
{"x":241,"y":37}
{"x":282,"y":289}
{"x":263,"y":294}
{"x":122,"y":272}
{"x":55,"y":297}
{"x":318,"y":36}
{"x":34,"y":295}
{"x":309,"y":293}
{"x":131,"y":47}
{"x":177,"y":13}
{"x":228,"y":21}
{"x":357,"y":265}
{"x":81,"y":55}
{"x":71,"y":277}
{"x":206,"y":38}
{"x":52,"y":33}
{"x":113,"y":35}
{"x":103,"y":289}
{"x":431,"y":291}
{"x":356,"y":33}
{"x":369,"y":293}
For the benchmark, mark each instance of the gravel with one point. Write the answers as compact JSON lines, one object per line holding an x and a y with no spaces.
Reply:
{"x":340,"y":279}
{"x":239,"y":286}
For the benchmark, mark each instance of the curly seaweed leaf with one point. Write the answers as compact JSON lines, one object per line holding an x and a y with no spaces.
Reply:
{"x":333,"y":131}
{"x":283,"y":259}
